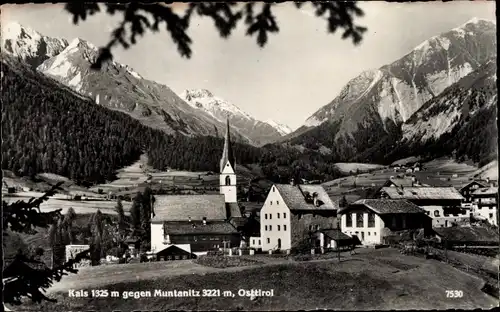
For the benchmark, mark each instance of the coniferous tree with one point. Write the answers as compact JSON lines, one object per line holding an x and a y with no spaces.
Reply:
{"x":27,"y":277}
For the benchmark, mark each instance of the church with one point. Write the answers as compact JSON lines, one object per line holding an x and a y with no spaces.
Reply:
{"x":200,"y":223}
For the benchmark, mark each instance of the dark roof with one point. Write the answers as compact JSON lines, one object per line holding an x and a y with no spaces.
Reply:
{"x":227,"y":152}
{"x":335,"y":234}
{"x":295,"y":197}
{"x":387,"y":206}
{"x":173,"y":248}
{"x":469,"y":234}
{"x":233,"y":210}
{"x":422,"y":193}
{"x":481,"y":183}
{"x":399,"y":182}
{"x":486,"y":191}
{"x":214,"y":227}
{"x":183,"y":207}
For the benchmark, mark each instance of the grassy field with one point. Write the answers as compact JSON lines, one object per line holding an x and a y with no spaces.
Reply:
{"x":347,"y":168}
{"x":377,"y":280}
{"x":438,"y":172}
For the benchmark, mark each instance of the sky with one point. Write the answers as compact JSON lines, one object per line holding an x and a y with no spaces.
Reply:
{"x":301,"y":69}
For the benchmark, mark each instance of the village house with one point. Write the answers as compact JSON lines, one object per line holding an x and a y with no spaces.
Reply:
{"x":199,"y":223}
{"x":442,"y":204}
{"x":401,"y":182}
{"x":292,"y":213}
{"x":485,"y":204}
{"x":467,"y":189}
{"x":371,"y":220}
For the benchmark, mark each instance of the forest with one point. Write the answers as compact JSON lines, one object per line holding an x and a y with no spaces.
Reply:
{"x":46,"y":127}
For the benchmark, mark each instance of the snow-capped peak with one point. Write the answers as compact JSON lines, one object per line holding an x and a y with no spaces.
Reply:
{"x":281,"y":128}
{"x":204,"y":99}
{"x":14,"y":30}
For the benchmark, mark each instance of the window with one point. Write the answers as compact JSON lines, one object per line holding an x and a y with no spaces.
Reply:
{"x":274,"y":189}
{"x":265,"y":216}
{"x":265,"y":227}
{"x":436,"y":213}
{"x":268,"y":240}
{"x":259,"y":241}
{"x":374,"y":233}
{"x":277,"y":202}
{"x":253,"y":241}
{"x":284,"y":227}
{"x":284,"y":215}
{"x":270,"y":202}
{"x":278,"y":227}
{"x":359,"y":219}
{"x":371,"y":219}
{"x":278,"y":215}
{"x":491,"y":216}
{"x":270,"y":216}
{"x":228,"y":180}
{"x":369,"y":233}
{"x":348,"y":222}
{"x":270,"y":228}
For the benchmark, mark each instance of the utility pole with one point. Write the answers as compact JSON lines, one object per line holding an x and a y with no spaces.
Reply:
{"x":337,"y":243}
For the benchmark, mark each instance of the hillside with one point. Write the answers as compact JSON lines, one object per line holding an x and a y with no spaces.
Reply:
{"x":115,"y":86}
{"x":48,"y":127}
{"x":254,"y":130}
{"x":451,"y":123}
{"x":363,"y":123}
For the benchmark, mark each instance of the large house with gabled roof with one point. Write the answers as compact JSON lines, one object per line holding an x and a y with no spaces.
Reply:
{"x":292,"y":213}
{"x":371,"y":220}
{"x":200,"y":223}
{"x":443,"y":204}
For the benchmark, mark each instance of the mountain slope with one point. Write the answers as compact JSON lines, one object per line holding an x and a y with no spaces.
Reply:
{"x":461,"y":121}
{"x":371,"y":108}
{"x":256,"y":131}
{"x":115,"y":86}
{"x":29,"y":45}
{"x":48,"y":127}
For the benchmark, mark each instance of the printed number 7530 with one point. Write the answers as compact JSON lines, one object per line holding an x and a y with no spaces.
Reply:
{"x":454,"y":294}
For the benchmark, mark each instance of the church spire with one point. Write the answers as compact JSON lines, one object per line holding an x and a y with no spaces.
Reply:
{"x":227,"y":153}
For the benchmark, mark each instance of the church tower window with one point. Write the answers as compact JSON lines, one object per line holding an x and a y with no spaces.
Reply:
{"x":228,"y":180}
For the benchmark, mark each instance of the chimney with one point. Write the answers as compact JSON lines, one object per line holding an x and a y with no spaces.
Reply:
{"x":315,"y":199}
{"x":292,"y":181}
{"x":204,"y":220}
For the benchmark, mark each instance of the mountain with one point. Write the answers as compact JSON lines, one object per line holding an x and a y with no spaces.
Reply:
{"x":281,"y":128}
{"x":29,"y":45}
{"x":49,"y":127}
{"x":371,"y":108}
{"x":115,"y":86}
{"x":256,"y":131}
{"x":461,"y":121}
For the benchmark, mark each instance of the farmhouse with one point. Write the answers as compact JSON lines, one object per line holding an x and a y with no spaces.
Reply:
{"x":467,"y":189}
{"x":485,"y":204}
{"x":468,"y":236}
{"x":292,"y":212}
{"x":443,"y":204}
{"x":199,"y":223}
{"x":371,"y":220}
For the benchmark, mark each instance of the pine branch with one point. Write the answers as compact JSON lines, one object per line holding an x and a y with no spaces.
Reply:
{"x":140,"y":17}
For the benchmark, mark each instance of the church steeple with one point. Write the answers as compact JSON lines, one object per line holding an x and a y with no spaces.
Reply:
{"x":227,"y":152}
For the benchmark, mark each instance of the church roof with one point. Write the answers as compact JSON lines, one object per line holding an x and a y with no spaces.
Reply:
{"x":183,"y":207}
{"x":233,"y":210}
{"x":227,"y":152}
{"x":181,"y":228}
